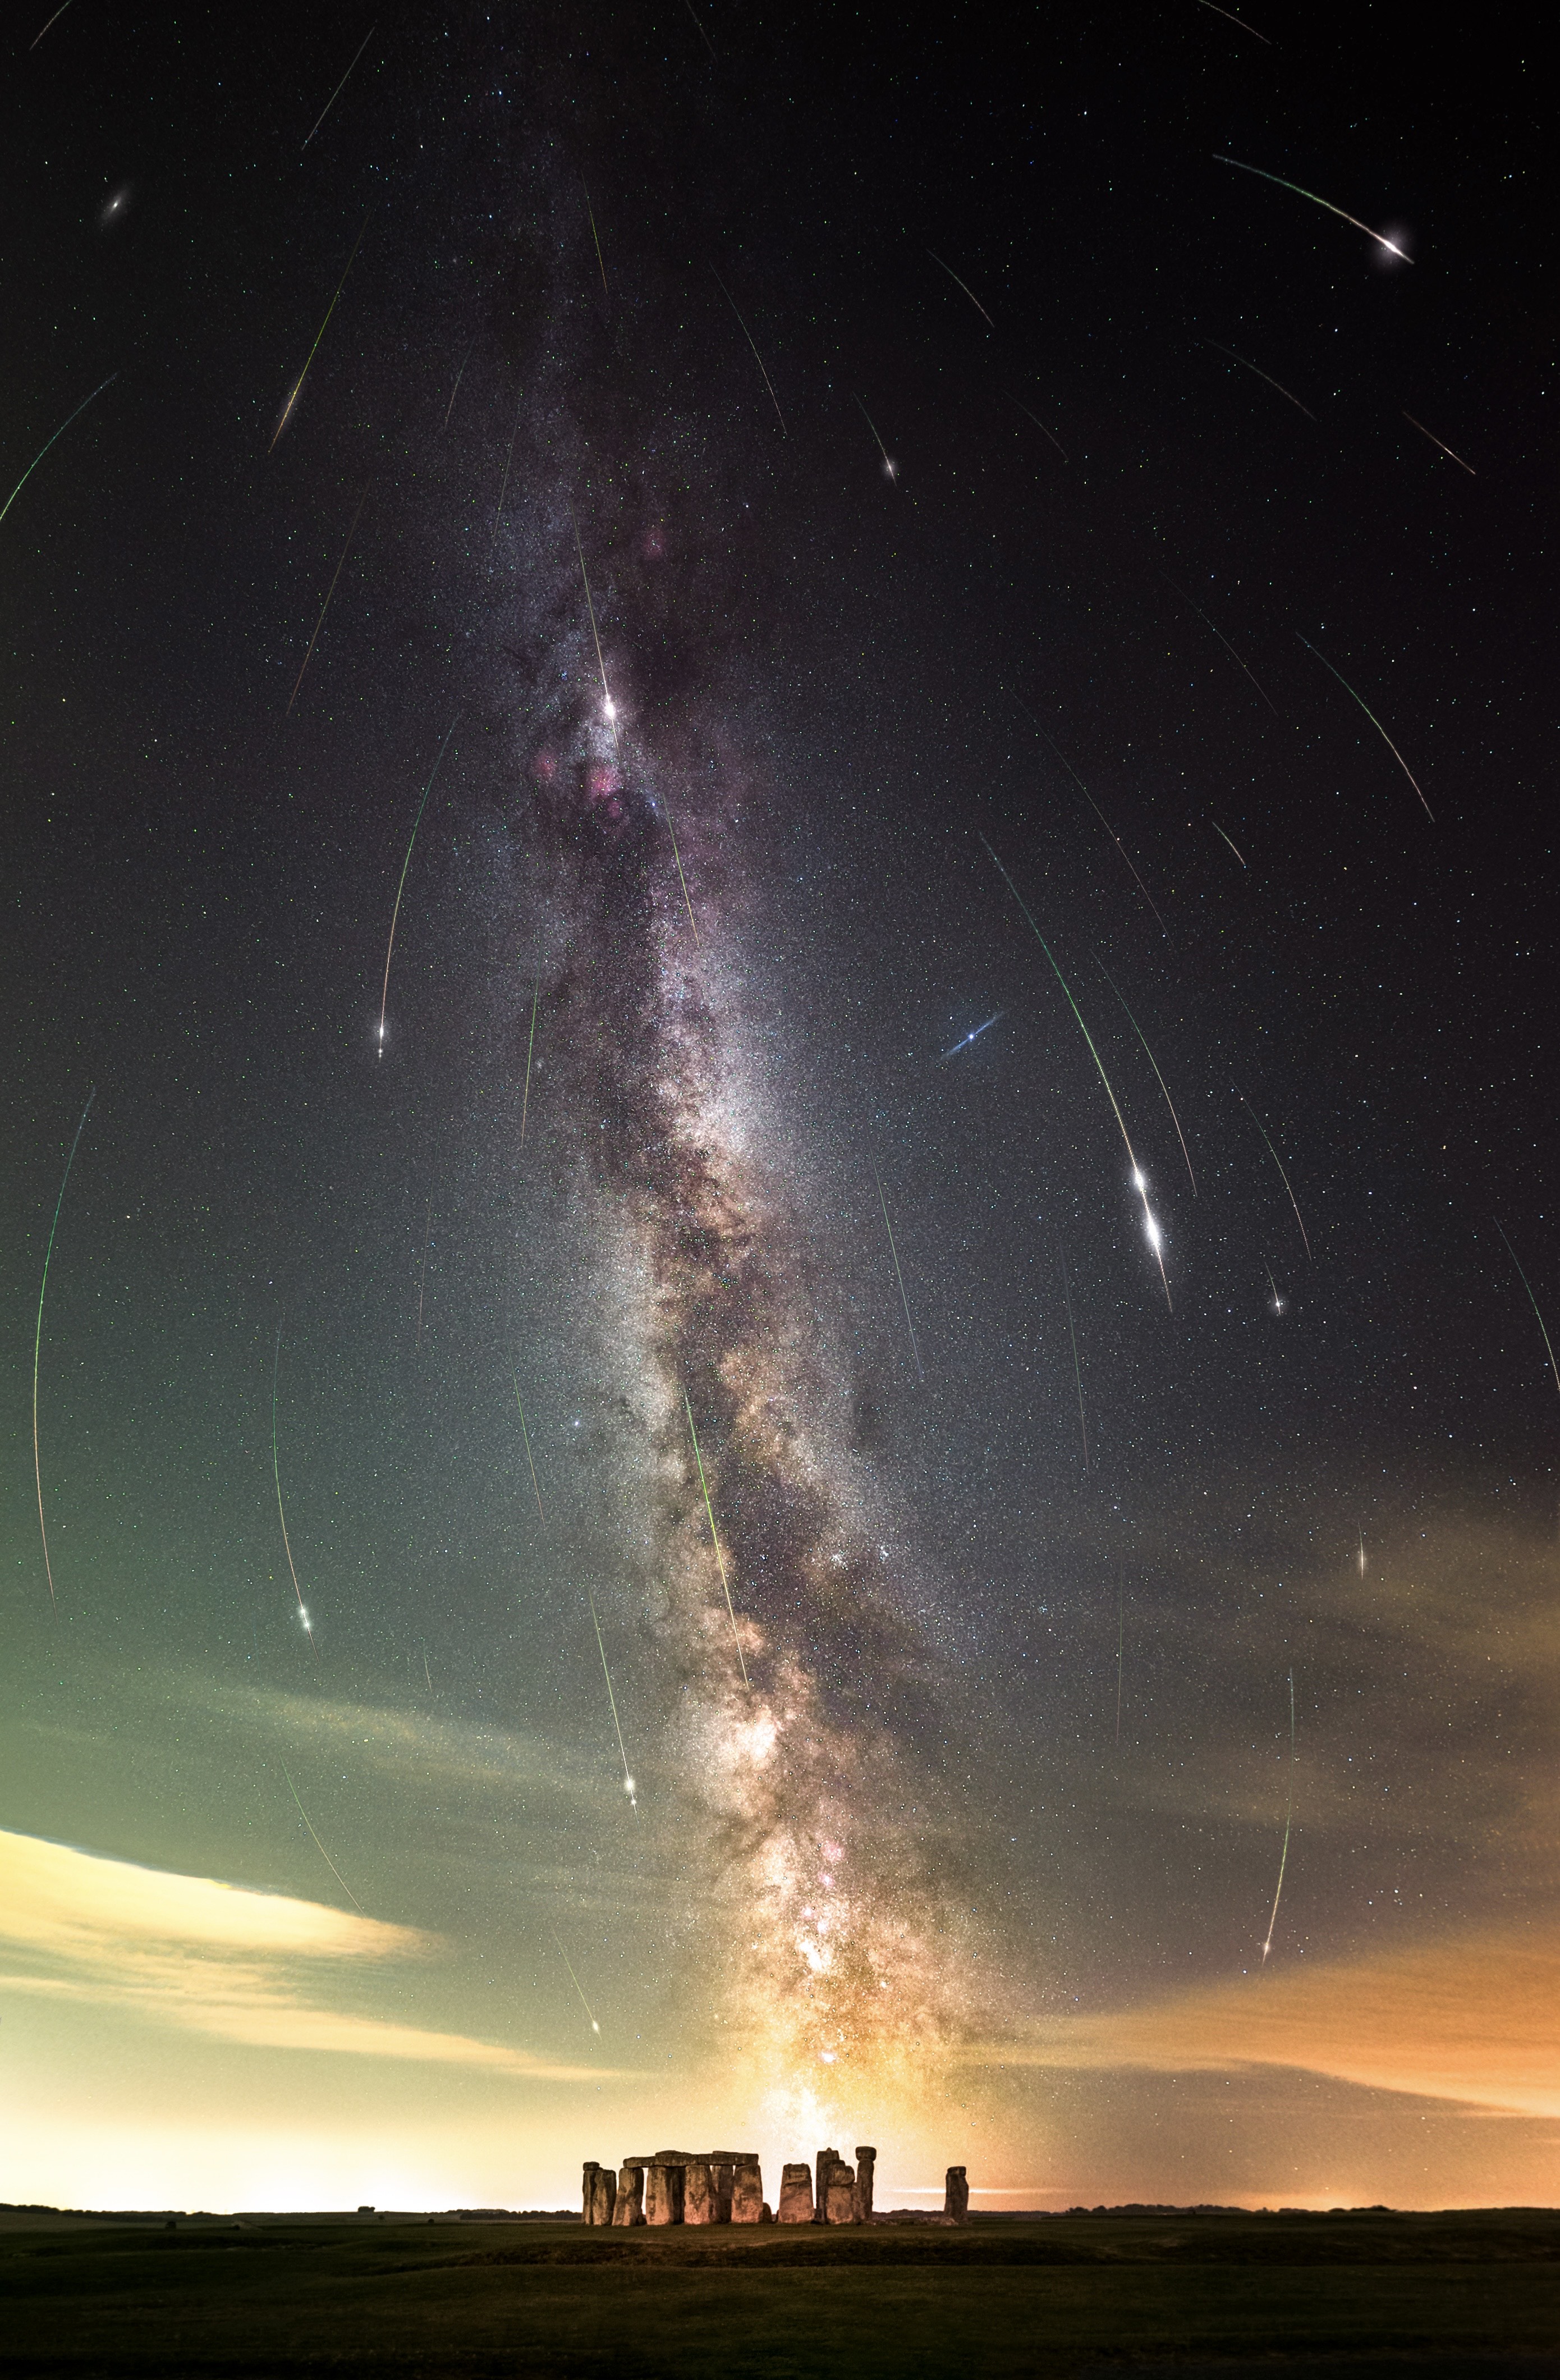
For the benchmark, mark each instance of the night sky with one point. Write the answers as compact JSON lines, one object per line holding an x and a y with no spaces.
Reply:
{"x":960,"y":647}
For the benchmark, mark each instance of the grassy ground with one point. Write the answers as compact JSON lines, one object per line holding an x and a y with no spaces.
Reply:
{"x":1470,"y":2296}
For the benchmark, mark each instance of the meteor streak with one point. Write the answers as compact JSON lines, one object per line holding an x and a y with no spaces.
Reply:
{"x":54,"y":21}
{"x":962,"y":284}
{"x":525,"y":1435}
{"x":1445,"y":448}
{"x":321,"y":1847}
{"x":890,"y":469}
{"x":1150,"y":1228}
{"x":1361,"y":1553}
{"x":1250,"y":367}
{"x":756,"y":357}
{"x":1077,"y":1368}
{"x":326,"y":604}
{"x":715,"y":1538}
{"x":575,"y":1981}
{"x":628,"y":1785}
{"x":699,"y":29}
{"x":1038,"y":423}
{"x":1279,"y":1162}
{"x":1224,"y":838}
{"x":297,"y":384}
{"x":38,"y":1334}
{"x":1277,"y":179}
{"x":280,"y":1509}
{"x":1158,"y":1078}
{"x":597,"y":238}
{"x":394,"y":915}
{"x":898,"y":1276}
{"x":325,"y":111}
{"x":1224,"y":641}
{"x":1289,"y":1816}
{"x":530,"y":1045}
{"x":64,"y":425}
{"x":456,"y":391}
{"x":503,"y":484}
{"x":1511,"y":1252}
{"x":1214,"y":5}
{"x":1374,"y":722}
{"x":972,"y":1036}
{"x":1121,"y":1655}
{"x":1277,"y":1301}
{"x":1097,"y":811}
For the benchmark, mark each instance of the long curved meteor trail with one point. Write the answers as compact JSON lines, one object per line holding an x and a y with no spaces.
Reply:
{"x":297,"y":384}
{"x":1077,"y":1368}
{"x":1140,"y":1183}
{"x":1532,"y":1301}
{"x":628,"y":1784}
{"x":1279,"y":183}
{"x":915,"y":1347}
{"x":54,"y":21}
{"x":38,"y":1334}
{"x":64,"y":425}
{"x":1279,"y":1162}
{"x":525,"y":1435}
{"x":1374,"y":722}
{"x":1231,"y":18}
{"x":394,"y":915}
{"x":1288,"y":1816}
{"x":756,"y":357}
{"x":963,"y":286}
{"x":1153,"y":1060}
{"x":323,"y":112}
{"x":329,"y":591}
{"x":1225,"y":838}
{"x":715,"y":1538}
{"x":320,"y":1846}
{"x":281,"y":1510}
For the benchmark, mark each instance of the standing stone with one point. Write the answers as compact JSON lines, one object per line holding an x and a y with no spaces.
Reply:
{"x":663,"y":2193}
{"x":629,"y":2206}
{"x":725,"y":2174}
{"x":587,"y":2191}
{"x":796,"y":2194}
{"x":698,"y":2192}
{"x":823,"y":2166}
{"x":866,"y":2161}
{"x":840,"y":2193}
{"x":603,"y":2194}
{"x":748,"y":2191}
{"x":956,"y":2199}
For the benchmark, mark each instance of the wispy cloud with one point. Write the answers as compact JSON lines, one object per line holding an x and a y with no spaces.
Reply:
{"x":219,"y":1958}
{"x":1475,"y":2019}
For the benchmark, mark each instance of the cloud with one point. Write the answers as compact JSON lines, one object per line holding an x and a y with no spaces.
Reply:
{"x":219,"y":1958}
{"x":1475,"y":2020}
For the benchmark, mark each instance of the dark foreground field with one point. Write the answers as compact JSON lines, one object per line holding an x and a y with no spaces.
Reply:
{"x":1295,"y":2297}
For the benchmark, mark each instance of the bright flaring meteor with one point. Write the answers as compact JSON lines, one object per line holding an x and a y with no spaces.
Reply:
{"x":280,"y":1508}
{"x":297,"y":385}
{"x":575,"y":1981}
{"x":890,"y":469}
{"x":38,"y":1334}
{"x":321,"y":1847}
{"x":915,"y":1348}
{"x":1277,"y":1301}
{"x":972,"y":1036}
{"x":329,"y":592}
{"x":628,"y":1784}
{"x":1511,"y":1252}
{"x":1374,"y":719}
{"x":1279,"y":1162}
{"x":715,"y":1538}
{"x":64,"y":425}
{"x":1441,"y":442}
{"x":1140,"y":1184}
{"x":1289,"y":1816}
{"x":1154,"y":1061}
{"x":525,"y":1435}
{"x":1279,"y":183}
{"x":394,"y":915}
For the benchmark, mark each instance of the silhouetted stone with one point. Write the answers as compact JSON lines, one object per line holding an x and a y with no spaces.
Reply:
{"x":587,"y":2191}
{"x":663,"y":2193}
{"x":866,"y":2161}
{"x":956,"y":2200}
{"x":796,"y":2194}
{"x":748,"y":2191}
{"x":606,"y":2194}
{"x":629,"y":2207}
{"x":698,"y":2192}
{"x":725,"y":2172}
{"x":823,"y":2166}
{"x":840,"y":2193}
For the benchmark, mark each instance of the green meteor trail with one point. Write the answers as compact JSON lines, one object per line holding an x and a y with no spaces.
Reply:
{"x":715,"y":1536}
{"x":38,"y":1334}
{"x":1279,"y":183}
{"x":297,"y":384}
{"x":64,"y":425}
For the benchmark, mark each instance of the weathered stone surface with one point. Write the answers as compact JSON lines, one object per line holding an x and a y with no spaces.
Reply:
{"x":748,"y":2191}
{"x":663,"y":2193}
{"x":766,"y":2216}
{"x":956,"y":2199}
{"x":630,"y":2204}
{"x":603,"y":2195}
{"x":725,"y":2172}
{"x":823,"y":2166}
{"x":587,"y":2190}
{"x":796,"y":2193}
{"x":698,"y":2192}
{"x":840,"y":2193}
{"x":866,"y":2163}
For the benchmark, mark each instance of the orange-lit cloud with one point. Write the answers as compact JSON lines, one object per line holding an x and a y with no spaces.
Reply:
{"x":1475,"y":2019}
{"x":217,"y":1959}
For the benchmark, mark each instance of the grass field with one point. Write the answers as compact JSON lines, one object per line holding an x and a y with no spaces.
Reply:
{"x":1364,"y":2295}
